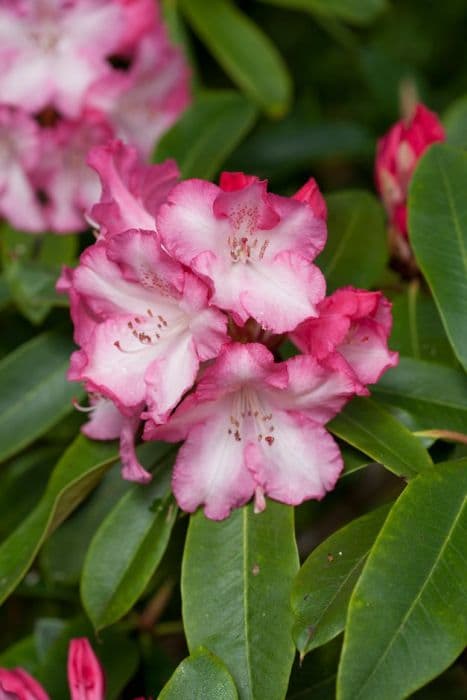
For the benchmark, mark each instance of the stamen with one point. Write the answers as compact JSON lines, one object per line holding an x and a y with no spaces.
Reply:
{"x":81,"y":409}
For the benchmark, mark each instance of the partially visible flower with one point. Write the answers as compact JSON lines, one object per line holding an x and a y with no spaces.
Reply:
{"x":356,"y":324}
{"x":254,"y":428}
{"x":19,"y":157}
{"x":85,"y":675}
{"x":65,"y":183}
{"x":397,"y":155}
{"x":74,"y":75}
{"x":254,"y":248}
{"x":132,"y":192}
{"x":145,"y":323}
{"x":17,"y":684}
{"x":106,"y":422}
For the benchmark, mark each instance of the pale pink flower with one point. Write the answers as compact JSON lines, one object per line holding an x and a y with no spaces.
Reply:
{"x":255,"y":428}
{"x":143,"y":323}
{"x":355,"y":323}
{"x":51,"y":51}
{"x":144,"y":101}
{"x":253,"y":247}
{"x":20,"y":151}
{"x":397,"y":155}
{"x":67,"y":186}
{"x":132,"y":191}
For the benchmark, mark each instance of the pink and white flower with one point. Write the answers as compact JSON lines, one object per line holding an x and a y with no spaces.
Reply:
{"x":356,"y":324}
{"x":146,"y":323}
{"x":253,"y":247}
{"x":397,"y":155}
{"x":254,"y":428}
{"x":132,"y":192}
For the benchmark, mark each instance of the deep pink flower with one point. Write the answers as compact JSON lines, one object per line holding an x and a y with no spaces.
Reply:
{"x":355,"y":323}
{"x":85,"y":675}
{"x":253,"y":247}
{"x":397,"y":155}
{"x":132,"y":191}
{"x":143,"y":323}
{"x":17,"y":684}
{"x":255,"y":428}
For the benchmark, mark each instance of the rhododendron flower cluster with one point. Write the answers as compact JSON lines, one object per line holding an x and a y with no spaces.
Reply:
{"x":397,"y":155}
{"x":76,"y":73}
{"x":179,"y":311}
{"x":85,"y":677}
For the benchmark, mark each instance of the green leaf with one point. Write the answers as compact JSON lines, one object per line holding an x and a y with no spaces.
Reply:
{"x":247,"y":55}
{"x":354,"y":11}
{"x":373,"y":430}
{"x":324,"y":584}
{"x":418,"y":330}
{"x":26,"y":474}
{"x":236,"y":580}
{"x":455,"y":121}
{"x":22,"y":653}
{"x":117,"y":654}
{"x":76,"y":474}
{"x":34,"y":391}
{"x":407,"y":617}
{"x":355,"y":218}
{"x":435,"y":395}
{"x":200,"y":677}
{"x":207,"y":133}
{"x":32,"y":264}
{"x":438,"y":234}
{"x":353,"y":460}
{"x":63,"y":555}
{"x":126,"y":550}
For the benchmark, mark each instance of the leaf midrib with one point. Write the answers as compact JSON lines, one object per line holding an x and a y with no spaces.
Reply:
{"x":414,"y":602}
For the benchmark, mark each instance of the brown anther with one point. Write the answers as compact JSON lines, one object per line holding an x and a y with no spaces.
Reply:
{"x":149,"y":312}
{"x":269,"y":439}
{"x":237,"y":436}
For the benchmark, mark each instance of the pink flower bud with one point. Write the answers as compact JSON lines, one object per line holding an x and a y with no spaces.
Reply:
{"x":397,"y":155}
{"x":85,"y":675}
{"x":16,"y":684}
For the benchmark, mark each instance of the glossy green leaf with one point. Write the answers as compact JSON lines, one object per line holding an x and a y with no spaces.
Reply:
{"x":116,"y":652}
{"x":63,"y":555}
{"x":26,"y":474}
{"x":293,"y":145}
{"x":354,"y":11}
{"x":324,"y":584}
{"x":366,"y":425}
{"x":247,"y":55}
{"x":207,"y":133}
{"x":32,"y":265}
{"x":418,"y":330}
{"x":407,"y":617}
{"x":356,"y":250}
{"x":435,"y":395}
{"x":455,"y":122}
{"x":199,"y":677}
{"x":354,"y":460}
{"x":76,"y":474}
{"x":34,"y":391}
{"x":126,"y":549}
{"x":236,"y":581}
{"x":438,"y":234}
{"x":23,"y":653}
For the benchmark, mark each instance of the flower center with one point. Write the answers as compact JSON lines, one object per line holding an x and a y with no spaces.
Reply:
{"x":149,"y":330}
{"x":249,"y":418}
{"x":246,"y":248}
